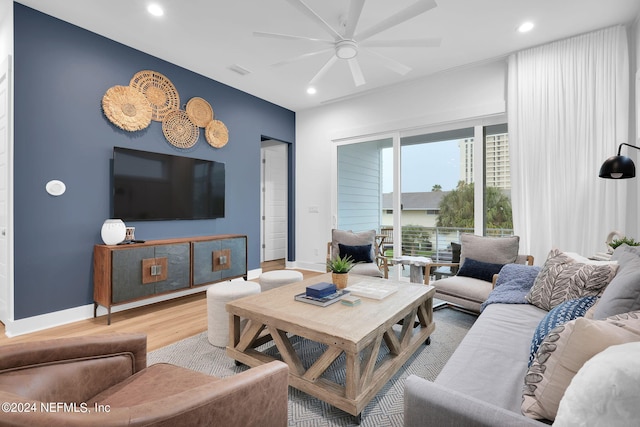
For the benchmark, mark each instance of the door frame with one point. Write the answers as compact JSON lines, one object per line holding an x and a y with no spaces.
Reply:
{"x":290,"y":240}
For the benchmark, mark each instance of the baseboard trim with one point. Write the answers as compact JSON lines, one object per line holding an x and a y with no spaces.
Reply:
{"x":57,"y":318}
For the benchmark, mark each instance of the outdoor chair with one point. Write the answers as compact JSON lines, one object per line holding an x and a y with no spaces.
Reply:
{"x":363,"y":249}
{"x":480,"y":259}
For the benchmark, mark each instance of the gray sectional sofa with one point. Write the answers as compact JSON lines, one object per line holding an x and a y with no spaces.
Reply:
{"x":482,"y":383}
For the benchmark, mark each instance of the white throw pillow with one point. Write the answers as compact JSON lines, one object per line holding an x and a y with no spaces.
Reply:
{"x":604,"y":392}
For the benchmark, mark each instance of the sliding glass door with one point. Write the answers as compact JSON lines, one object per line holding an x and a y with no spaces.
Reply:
{"x":421,"y":190}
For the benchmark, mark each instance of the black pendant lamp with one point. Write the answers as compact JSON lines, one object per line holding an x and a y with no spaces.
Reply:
{"x":618,"y":167}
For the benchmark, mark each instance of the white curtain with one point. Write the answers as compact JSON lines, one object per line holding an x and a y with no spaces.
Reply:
{"x":568,"y":109}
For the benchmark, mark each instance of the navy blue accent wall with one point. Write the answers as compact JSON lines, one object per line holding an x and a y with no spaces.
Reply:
{"x":61,"y":74}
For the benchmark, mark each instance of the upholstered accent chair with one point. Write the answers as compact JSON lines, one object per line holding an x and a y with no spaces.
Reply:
{"x":363,"y":248}
{"x":473,"y":280}
{"x":104,"y":380}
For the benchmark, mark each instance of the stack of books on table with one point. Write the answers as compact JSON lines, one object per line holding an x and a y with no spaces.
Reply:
{"x":322,"y":294}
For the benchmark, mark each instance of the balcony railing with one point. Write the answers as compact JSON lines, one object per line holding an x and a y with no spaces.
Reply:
{"x":432,"y":242}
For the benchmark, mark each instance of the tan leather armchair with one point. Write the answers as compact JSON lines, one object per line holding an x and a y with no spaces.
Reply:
{"x":104,"y":380}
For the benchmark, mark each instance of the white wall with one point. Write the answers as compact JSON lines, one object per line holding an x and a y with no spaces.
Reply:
{"x":441,"y":99}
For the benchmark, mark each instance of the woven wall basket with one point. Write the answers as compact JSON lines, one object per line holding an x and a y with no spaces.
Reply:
{"x":199,"y":111}
{"x":159,"y":91}
{"x":216,"y":134}
{"x":126,"y":108}
{"x":180,"y":130}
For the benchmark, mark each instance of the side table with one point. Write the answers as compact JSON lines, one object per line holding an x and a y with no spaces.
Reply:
{"x":416,"y":264}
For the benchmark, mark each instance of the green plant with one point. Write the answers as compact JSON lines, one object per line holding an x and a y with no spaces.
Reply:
{"x":629,"y":241}
{"x":340,"y":264}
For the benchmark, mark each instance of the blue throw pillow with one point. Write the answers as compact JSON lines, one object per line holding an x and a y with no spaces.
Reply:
{"x":479,"y":270}
{"x":360,"y":253}
{"x":559,"y":315}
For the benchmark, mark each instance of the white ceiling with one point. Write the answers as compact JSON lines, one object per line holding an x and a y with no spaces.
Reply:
{"x":210,"y":36}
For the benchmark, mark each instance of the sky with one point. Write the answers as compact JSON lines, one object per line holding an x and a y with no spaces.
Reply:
{"x":423,"y":166}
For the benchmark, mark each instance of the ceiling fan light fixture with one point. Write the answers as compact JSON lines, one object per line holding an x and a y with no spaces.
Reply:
{"x":346,"y":49}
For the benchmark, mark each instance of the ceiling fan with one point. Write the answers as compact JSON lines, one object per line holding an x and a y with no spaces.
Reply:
{"x":347,"y":43}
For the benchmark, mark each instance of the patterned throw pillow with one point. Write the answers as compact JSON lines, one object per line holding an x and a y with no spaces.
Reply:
{"x":562,"y":279}
{"x":559,"y":315}
{"x":563,"y":352}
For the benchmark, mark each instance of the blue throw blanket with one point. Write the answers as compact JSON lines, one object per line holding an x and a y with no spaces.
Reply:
{"x":513,"y":284}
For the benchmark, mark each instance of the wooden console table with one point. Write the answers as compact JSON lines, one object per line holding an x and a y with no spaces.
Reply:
{"x":126,"y":273}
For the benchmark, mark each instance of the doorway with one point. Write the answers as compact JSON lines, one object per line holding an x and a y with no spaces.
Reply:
{"x":273,"y":204}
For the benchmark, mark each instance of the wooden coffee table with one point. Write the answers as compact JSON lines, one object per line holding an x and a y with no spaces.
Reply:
{"x":358,"y":332}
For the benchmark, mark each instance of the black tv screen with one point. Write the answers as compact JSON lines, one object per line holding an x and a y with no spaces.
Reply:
{"x":152,"y":186}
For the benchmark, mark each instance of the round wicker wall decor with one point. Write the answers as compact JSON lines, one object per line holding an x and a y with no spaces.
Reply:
{"x":158,"y":90}
{"x":216,"y":134}
{"x":126,"y":108}
{"x":199,"y":111}
{"x":179,"y":129}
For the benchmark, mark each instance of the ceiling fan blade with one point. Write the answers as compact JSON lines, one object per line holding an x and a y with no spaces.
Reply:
{"x":323,"y":70}
{"x":431,"y":42}
{"x":392,"y":64}
{"x":302,"y":7}
{"x":300,"y":57}
{"x":410,"y":12}
{"x":289,"y":37}
{"x":356,"y":72}
{"x":353,"y":16}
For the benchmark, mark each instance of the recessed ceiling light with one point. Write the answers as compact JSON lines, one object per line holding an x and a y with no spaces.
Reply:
{"x":311,"y":90}
{"x":155,"y":9}
{"x":525,"y":27}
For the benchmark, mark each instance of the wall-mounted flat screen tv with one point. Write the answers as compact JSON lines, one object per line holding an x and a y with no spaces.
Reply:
{"x":152,"y":186}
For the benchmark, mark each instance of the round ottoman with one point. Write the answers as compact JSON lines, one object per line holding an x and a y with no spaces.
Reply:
{"x":218,"y":318}
{"x":273,"y":279}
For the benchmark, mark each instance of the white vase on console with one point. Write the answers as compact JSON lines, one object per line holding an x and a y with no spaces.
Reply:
{"x":113,"y":231}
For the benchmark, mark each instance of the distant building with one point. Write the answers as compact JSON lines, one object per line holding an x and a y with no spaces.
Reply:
{"x":497,"y":170}
{"x":420,"y":208}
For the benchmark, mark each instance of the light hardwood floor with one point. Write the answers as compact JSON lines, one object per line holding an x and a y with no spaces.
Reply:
{"x":164,"y":322}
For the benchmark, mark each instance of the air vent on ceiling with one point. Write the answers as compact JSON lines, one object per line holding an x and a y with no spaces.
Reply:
{"x":239,"y":69}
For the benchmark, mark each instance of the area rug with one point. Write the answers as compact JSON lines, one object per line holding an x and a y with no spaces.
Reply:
{"x":385,"y":409}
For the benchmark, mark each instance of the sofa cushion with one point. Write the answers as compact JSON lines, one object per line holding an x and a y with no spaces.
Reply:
{"x":466,"y":288}
{"x":367,"y":269}
{"x":499,"y":250}
{"x":559,"y":315}
{"x":490,"y":362}
{"x":479,"y":270}
{"x":563,"y":352}
{"x":562,"y":279}
{"x":605,"y":390}
{"x":348,"y":237}
{"x":358,"y":253}
{"x":623,"y":293}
